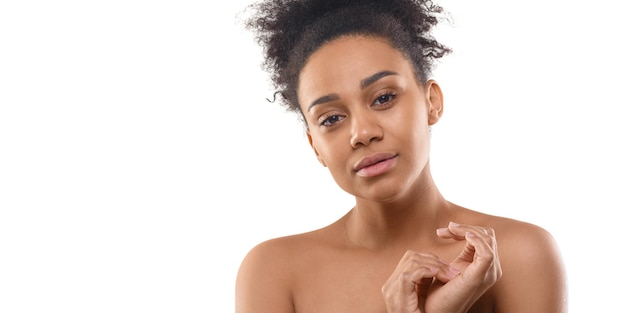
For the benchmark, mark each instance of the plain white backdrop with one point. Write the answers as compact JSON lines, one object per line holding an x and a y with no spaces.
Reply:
{"x":140,"y":160}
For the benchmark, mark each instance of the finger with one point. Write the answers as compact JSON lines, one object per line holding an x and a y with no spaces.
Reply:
{"x":483,"y":239}
{"x":413,"y":277}
{"x":480,"y":253}
{"x":480,"y":241}
{"x":407,"y":289}
{"x":484,"y":265}
{"x":422,"y":277}
{"x":413,"y":261}
{"x":452,"y":231}
{"x":484,"y":246}
{"x":414,"y":257}
{"x":458,"y":231}
{"x":445,"y":233}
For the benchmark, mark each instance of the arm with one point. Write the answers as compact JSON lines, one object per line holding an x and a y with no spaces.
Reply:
{"x":262,"y":281}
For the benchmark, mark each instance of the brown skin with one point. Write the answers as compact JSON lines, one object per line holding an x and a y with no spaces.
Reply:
{"x":396,"y":250}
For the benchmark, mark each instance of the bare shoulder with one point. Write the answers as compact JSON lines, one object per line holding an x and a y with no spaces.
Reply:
{"x":514,"y":237}
{"x":267,"y":273}
{"x":521,"y":243}
{"x":280,"y":253}
{"x":525,"y":235}
{"x":534,"y":278}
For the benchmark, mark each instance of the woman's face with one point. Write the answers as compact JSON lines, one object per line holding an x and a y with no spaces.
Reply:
{"x":368,"y":116}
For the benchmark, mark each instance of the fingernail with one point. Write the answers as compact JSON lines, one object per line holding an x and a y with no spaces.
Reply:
{"x":468,"y":234}
{"x":453,"y":224}
{"x":441,"y":231}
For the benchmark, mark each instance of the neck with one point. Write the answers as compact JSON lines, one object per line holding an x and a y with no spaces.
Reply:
{"x":413,"y":219}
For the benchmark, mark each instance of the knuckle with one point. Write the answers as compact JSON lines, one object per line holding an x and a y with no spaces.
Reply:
{"x":490,"y":231}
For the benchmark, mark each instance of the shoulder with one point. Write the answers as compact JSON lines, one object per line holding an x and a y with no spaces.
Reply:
{"x":514,"y":237}
{"x":281,"y":252}
{"x":512,"y":229}
{"x":273,"y":256}
{"x":533,"y":273}
{"x":267,"y":274}
{"x":523,"y":242}
{"x":263,"y":280}
{"x":273,"y":247}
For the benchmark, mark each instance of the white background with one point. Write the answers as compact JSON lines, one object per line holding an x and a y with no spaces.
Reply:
{"x":140,"y":161}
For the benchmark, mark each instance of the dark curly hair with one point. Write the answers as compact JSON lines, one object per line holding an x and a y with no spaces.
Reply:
{"x":289,"y":31}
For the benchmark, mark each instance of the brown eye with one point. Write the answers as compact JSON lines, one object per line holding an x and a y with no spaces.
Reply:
{"x":384,"y":99}
{"x":329,"y":121}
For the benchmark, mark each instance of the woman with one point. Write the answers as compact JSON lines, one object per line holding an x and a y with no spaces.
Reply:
{"x":357,"y":73}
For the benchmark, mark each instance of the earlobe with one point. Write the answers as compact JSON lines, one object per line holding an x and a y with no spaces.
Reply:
{"x":319,"y":158}
{"x":434,"y":98}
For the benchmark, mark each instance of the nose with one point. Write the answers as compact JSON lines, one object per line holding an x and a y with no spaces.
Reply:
{"x":365,"y":129}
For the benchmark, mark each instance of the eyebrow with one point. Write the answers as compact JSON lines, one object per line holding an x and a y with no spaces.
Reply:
{"x":372,"y":79}
{"x":364,"y":83}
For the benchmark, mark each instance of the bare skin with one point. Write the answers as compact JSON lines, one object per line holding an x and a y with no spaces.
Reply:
{"x":403,"y":247}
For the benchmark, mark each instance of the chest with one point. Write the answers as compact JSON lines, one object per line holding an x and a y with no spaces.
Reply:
{"x":349,"y":282}
{"x":340,"y":285}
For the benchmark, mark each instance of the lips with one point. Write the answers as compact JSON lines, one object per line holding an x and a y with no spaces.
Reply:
{"x":375,"y":164}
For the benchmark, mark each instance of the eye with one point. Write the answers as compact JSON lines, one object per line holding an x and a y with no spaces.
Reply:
{"x":384,"y":99}
{"x":331,"y":120}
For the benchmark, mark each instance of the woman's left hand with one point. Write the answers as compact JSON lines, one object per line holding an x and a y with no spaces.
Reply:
{"x":479,"y":266}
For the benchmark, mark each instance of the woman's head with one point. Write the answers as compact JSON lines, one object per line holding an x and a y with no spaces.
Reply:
{"x":368,"y":116}
{"x":291,"y":30}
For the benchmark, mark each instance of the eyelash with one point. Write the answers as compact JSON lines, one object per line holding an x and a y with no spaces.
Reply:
{"x":326,"y":120}
{"x":388,"y":94}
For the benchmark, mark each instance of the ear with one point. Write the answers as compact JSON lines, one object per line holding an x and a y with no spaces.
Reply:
{"x":434,"y":101}
{"x":319,"y":158}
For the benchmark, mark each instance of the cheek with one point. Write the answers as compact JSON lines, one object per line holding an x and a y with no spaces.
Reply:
{"x":409,"y":121}
{"x":409,"y":128}
{"x":330,"y":151}
{"x":332,"y":148}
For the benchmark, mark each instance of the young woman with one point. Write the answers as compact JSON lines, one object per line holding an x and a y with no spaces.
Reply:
{"x":357,"y":73}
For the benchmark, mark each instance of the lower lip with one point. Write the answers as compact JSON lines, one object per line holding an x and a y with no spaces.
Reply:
{"x":377,"y":169}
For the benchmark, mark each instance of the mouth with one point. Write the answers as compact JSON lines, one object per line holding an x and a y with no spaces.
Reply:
{"x":375,"y":164}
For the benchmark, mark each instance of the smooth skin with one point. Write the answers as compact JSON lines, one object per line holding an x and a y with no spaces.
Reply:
{"x":403,"y":247}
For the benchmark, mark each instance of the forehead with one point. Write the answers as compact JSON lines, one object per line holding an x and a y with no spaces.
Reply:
{"x":345,"y":61}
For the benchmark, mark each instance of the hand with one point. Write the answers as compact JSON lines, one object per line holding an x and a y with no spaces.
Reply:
{"x":406,"y":289}
{"x":423,"y":283}
{"x":479,"y":265}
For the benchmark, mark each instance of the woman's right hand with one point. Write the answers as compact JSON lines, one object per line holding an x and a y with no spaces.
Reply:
{"x":406,"y":289}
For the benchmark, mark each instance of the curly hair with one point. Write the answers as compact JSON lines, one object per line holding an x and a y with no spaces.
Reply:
{"x":289,"y":31}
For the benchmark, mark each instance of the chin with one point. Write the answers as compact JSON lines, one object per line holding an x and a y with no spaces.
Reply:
{"x":382,"y":193}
